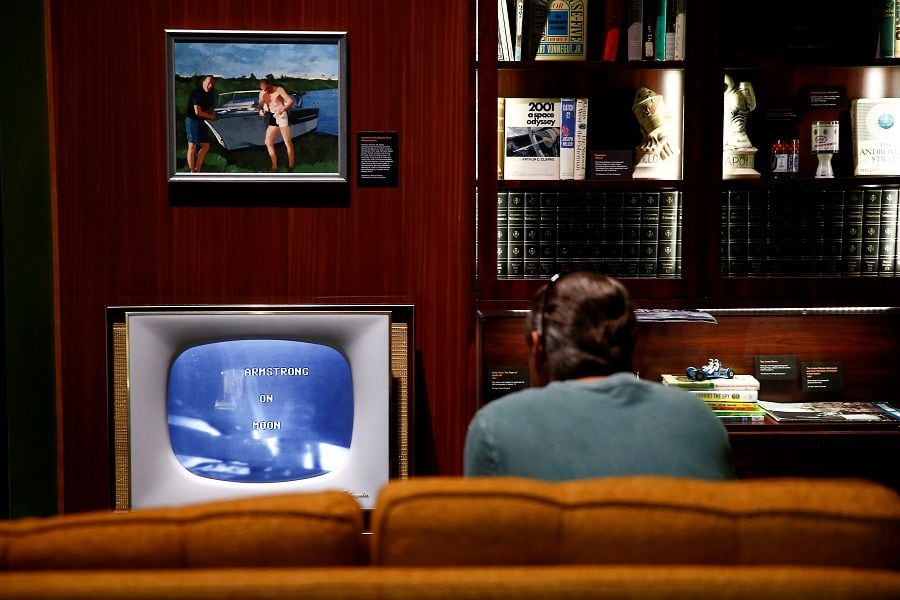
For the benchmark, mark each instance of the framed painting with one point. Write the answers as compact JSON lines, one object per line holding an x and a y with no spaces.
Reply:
{"x":256,"y":106}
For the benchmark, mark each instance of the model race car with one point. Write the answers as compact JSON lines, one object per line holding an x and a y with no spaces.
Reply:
{"x":711,"y":370}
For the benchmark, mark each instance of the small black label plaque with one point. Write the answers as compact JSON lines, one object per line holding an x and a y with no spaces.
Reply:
{"x":377,"y":158}
{"x":776,"y":368}
{"x":504,"y":380}
{"x":826,"y":376}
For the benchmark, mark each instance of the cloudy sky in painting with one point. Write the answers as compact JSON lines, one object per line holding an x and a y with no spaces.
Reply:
{"x":242,"y":59}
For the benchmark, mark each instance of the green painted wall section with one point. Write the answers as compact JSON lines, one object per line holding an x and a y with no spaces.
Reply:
{"x":28,"y":397}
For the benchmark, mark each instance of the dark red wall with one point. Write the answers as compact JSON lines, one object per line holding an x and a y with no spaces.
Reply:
{"x":119,"y":242}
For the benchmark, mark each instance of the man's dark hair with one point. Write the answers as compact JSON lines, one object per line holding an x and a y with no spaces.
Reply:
{"x":586,"y":325}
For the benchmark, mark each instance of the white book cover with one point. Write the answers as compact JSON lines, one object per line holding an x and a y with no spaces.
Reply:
{"x":876,"y":136}
{"x":581,"y":127}
{"x":532,"y":138}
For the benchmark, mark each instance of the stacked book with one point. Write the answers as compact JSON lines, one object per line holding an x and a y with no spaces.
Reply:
{"x":733,"y":400}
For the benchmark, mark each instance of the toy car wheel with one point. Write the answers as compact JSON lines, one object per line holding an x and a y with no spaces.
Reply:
{"x":699,"y":375}
{"x":729,"y":373}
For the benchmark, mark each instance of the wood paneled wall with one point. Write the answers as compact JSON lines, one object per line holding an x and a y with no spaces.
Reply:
{"x":119,"y":242}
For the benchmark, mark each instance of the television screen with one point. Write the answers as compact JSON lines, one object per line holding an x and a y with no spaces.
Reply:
{"x":260,"y":410}
{"x":213,"y":403}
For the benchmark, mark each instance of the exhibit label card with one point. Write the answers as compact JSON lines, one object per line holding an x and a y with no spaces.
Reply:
{"x":615,"y":164}
{"x":776,"y":368}
{"x":827,"y":376}
{"x":504,"y":380}
{"x":377,"y":159}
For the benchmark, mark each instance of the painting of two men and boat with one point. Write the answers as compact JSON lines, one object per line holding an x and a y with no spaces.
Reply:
{"x":242,"y":105}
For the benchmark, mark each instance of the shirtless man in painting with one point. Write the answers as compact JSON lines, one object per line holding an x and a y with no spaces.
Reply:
{"x":274,"y":104}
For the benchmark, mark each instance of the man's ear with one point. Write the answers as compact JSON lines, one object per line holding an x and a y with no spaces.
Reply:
{"x":536,"y":364}
{"x":536,"y":345}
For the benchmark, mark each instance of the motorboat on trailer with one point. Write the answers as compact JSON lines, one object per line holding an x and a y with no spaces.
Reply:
{"x":240,"y":126}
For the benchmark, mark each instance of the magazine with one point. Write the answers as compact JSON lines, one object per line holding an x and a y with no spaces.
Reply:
{"x":831,"y":412}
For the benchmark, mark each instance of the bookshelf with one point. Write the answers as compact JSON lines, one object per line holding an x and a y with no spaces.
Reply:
{"x":784,"y":51}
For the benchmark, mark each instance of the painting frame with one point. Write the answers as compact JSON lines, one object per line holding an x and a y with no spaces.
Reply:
{"x":317,"y":115}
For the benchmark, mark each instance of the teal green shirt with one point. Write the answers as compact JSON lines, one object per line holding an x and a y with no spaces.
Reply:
{"x":618,"y":425}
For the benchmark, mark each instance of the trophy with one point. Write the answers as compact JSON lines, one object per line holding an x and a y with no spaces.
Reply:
{"x":738,"y":153}
{"x":824,"y":145}
{"x":655,"y":151}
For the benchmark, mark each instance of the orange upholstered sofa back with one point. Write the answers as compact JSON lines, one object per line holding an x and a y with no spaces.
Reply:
{"x":636,"y":520}
{"x":299,"y":530}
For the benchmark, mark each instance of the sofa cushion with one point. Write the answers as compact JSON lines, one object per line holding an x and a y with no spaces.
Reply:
{"x":636,"y":520}
{"x":314,"y":529}
{"x":569,"y":582}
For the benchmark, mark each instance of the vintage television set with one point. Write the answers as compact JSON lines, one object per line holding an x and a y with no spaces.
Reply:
{"x":214,"y":403}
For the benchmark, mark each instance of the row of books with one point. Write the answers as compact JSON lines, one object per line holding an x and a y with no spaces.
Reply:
{"x":542,"y":138}
{"x":796,"y":232}
{"x":625,"y":234}
{"x":634,"y":30}
{"x":889,"y":35}
{"x":733,"y":400}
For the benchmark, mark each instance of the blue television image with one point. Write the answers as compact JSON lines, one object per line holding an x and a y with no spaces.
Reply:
{"x":260,"y":410}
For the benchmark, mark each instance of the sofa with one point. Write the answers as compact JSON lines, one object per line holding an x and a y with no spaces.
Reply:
{"x":448,"y":537}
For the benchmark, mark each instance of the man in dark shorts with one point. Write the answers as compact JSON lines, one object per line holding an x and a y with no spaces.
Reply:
{"x":199,"y":109}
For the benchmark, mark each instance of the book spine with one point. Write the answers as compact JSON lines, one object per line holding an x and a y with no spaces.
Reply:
{"x":723,"y":235}
{"x":531,"y":229}
{"x":834,"y":233}
{"x":680,"y":29}
{"x":560,"y":29}
{"x":548,"y":225}
{"x":671,"y":14}
{"x":757,"y":418}
{"x":501,"y":135}
{"x":887,"y":239}
{"x":648,"y":265}
{"x":581,"y":129}
{"x":726,"y":396}
{"x":649,"y":29}
{"x":897,"y":28}
{"x":567,"y":140}
{"x":580,"y":252}
{"x":871,"y":231}
{"x":679,"y":234}
{"x":612,"y":27}
{"x":659,"y":35}
{"x":565,"y":208}
{"x":515,"y":236}
{"x":502,"y":231}
{"x":737,"y":233}
{"x":774,"y":242}
{"x":851,"y":249}
{"x":634,"y":33}
{"x":613,"y":240}
{"x":504,"y":44}
{"x":631,"y":234}
{"x":815,"y":203}
{"x":888,"y":29}
{"x":666,"y":235}
{"x":520,"y":30}
{"x":596,"y":220}
{"x":757,"y":233}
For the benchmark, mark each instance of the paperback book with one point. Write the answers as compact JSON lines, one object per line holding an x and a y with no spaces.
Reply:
{"x":532,"y":139}
{"x":558,"y":29}
{"x":727,"y":395}
{"x":876,"y":136}
{"x":738,"y":382}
